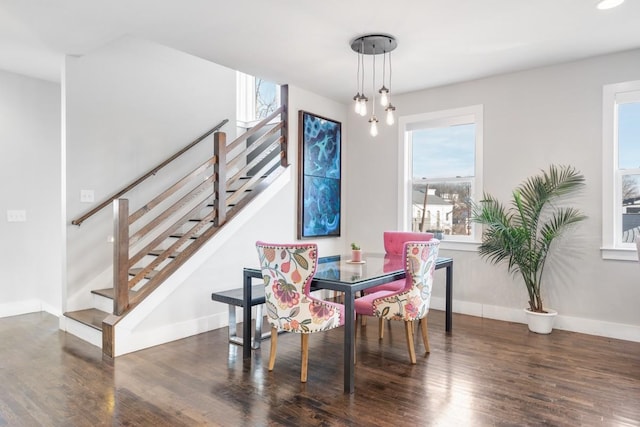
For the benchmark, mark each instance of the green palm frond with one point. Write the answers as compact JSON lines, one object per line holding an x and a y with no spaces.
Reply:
{"x":522,"y":235}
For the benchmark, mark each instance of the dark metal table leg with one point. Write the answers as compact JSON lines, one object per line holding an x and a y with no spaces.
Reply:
{"x":349,"y":338}
{"x":246,"y":317}
{"x":449,"y":297}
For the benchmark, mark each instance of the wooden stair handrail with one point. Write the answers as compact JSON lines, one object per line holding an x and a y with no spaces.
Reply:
{"x":108,"y":201}
{"x":278,"y":111}
{"x":194,"y":200}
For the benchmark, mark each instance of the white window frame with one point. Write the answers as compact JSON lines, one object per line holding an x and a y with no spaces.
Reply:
{"x":245,"y":100}
{"x":612,"y":245}
{"x":471,"y":114}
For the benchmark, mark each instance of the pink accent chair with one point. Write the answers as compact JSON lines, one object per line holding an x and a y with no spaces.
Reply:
{"x":412,"y":302}
{"x":287,"y":271}
{"x":393,"y":246}
{"x":394,"y":240}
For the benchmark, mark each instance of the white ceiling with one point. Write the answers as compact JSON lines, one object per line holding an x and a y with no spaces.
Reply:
{"x":307,"y":43}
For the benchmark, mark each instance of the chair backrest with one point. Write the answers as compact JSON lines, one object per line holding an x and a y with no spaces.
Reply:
{"x":394,"y":240}
{"x":287,"y":271}
{"x":413,"y":302}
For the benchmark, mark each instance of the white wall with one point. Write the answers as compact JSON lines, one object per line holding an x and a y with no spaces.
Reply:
{"x":531,"y":119}
{"x":129,"y":106}
{"x":189,"y":309}
{"x":30,"y":253}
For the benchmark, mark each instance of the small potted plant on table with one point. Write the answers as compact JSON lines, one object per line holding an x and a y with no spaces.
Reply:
{"x":356,"y":253}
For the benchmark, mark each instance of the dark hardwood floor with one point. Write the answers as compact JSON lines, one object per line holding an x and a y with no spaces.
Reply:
{"x":488,"y":373}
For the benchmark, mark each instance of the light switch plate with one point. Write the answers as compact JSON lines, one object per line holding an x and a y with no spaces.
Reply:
{"x":86,"y":196}
{"x":16,"y":215}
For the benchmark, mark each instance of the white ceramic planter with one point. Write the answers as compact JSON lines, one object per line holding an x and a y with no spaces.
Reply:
{"x":541,"y":323}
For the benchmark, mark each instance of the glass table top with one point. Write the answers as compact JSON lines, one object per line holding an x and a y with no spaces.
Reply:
{"x":340,"y":268}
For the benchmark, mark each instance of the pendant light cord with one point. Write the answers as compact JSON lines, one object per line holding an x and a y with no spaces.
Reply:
{"x":373,"y":80}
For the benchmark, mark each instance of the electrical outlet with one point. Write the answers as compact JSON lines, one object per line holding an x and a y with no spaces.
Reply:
{"x":86,"y":196}
{"x":19,"y":215}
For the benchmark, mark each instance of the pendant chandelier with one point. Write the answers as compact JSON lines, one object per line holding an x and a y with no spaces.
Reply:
{"x":374,"y":45}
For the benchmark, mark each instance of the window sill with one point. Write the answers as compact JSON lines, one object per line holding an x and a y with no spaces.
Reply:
{"x":619,"y":254}
{"x":453,"y":245}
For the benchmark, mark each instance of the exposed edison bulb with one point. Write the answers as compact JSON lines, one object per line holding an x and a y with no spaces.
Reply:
{"x":390,"y":116}
{"x":356,"y":105}
{"x":363,"y":105}
{"x":374,"y":126}
{"x":390,"y":119}
{"x":384,"y":96}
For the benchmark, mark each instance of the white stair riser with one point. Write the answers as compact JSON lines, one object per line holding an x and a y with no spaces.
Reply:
{"x":87,"y":333}
{"x":102,"y":303}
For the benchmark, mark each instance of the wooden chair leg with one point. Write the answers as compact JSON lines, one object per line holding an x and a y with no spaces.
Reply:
{"x":274,"y":345}
{"x":363,"y":321}
{"x":381,"y":327}
{"x":305,"y":357}
{"x":337,"y":296}
{"x":408,"y":329}
{"x":425,"y":337}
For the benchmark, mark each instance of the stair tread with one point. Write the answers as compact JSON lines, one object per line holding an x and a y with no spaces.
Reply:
{"x":90,"y":317}
{"x":179,"y":235}
{"x":157,"y":252}
{"x":149,"y":275}
{"x":108,"y":292}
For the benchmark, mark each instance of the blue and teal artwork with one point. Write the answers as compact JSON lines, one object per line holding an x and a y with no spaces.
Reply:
{"x":320,"y":177}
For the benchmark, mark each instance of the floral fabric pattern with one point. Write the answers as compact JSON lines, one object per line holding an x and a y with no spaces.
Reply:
{"x":412,"y":304}
{"x":287,"y":271}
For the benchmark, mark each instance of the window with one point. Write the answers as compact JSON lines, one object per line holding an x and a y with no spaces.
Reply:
{"x":442,"y":168}
{"x":256,"y":99}
{"x":621,"y":170}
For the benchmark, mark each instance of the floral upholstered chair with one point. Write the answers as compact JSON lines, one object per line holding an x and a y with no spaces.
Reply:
{"x":412,"y":302}
{"x":287,"y":270}
{"x":393,"y":247}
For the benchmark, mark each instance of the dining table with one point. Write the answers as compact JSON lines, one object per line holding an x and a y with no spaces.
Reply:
{"x":340,"y":273}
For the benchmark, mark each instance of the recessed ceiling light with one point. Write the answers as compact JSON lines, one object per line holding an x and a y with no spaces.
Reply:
{"x":609,"y":4}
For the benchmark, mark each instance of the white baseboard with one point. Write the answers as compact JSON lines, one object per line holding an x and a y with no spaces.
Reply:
{"x":128,"y":341}
{"x":17,"y":308}
{"x":567,"y":323}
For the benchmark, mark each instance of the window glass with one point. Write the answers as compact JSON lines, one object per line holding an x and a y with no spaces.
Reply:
{"x":629,"y":135}
{"x":442,"y":206}
{"x":444,"y":150}
{"x":267,"y":101}
{"x":630,"y":208}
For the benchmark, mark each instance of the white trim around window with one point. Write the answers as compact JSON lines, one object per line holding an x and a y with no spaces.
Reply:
{"x":406,"y":124}
{"x":612,"y":245}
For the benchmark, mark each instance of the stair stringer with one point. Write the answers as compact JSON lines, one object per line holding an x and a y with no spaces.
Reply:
{"x":128,"y":339}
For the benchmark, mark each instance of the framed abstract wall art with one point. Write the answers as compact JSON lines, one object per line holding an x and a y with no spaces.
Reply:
{"x":319,"y":176}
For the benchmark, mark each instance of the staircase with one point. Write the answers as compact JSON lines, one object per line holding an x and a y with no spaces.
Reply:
{"x":162,"y":233}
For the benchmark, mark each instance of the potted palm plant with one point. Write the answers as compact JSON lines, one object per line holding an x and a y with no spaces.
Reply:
{"x":521,"y":235}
